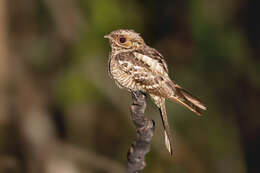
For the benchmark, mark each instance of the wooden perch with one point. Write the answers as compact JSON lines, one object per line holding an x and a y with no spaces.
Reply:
{"x":145,"y":130}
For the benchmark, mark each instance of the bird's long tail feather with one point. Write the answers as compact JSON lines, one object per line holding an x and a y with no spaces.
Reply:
{"x":167,"y":133}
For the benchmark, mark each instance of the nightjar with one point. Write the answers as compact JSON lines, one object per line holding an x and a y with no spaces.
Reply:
{"x":136,"y":66}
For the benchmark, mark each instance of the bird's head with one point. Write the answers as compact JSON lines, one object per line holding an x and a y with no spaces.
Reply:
{"x":124,"y":39}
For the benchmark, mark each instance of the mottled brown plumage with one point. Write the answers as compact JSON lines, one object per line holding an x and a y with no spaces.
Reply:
{"x":136,"y":66}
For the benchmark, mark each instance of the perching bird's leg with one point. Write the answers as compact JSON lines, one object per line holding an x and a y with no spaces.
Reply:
{"x":145,"y":130}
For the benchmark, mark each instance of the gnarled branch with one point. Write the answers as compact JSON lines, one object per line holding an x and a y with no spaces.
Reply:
{"x":145,"y":130}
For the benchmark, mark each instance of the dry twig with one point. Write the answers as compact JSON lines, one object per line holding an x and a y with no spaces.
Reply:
{"x":145,"y":130}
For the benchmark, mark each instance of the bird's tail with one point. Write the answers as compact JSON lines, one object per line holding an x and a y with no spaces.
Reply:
{"x":167,"y":133}
{"x":185,"y":98}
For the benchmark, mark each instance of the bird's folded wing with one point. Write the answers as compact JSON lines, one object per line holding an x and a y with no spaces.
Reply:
{"x":147,"y":72}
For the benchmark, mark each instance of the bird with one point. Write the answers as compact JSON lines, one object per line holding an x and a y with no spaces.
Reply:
{"x":135,"y":66}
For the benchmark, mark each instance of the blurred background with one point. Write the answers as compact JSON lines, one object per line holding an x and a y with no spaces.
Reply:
{"x":60,"y":111}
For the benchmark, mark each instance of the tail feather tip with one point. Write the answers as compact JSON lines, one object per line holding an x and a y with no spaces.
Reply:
{"x":168,"y":143}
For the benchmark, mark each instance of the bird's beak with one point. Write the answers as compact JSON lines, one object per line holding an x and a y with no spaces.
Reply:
{"x":107,"y":36}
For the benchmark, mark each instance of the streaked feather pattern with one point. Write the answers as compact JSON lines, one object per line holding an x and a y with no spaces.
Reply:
{"x":135,"y":66}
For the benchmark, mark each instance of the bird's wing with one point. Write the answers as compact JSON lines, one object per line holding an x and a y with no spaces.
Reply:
{"x":155,"y":55}
{"x":146,"y":72}
{"x":167,"y":85}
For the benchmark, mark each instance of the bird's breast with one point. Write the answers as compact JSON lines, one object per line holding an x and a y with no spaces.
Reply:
{"x":122,"y":77}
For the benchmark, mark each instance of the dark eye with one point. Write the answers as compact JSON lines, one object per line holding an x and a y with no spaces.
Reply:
{"x":122,"y":39}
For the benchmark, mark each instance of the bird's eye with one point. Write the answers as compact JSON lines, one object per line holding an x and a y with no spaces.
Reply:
{"x":122,"y":39}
